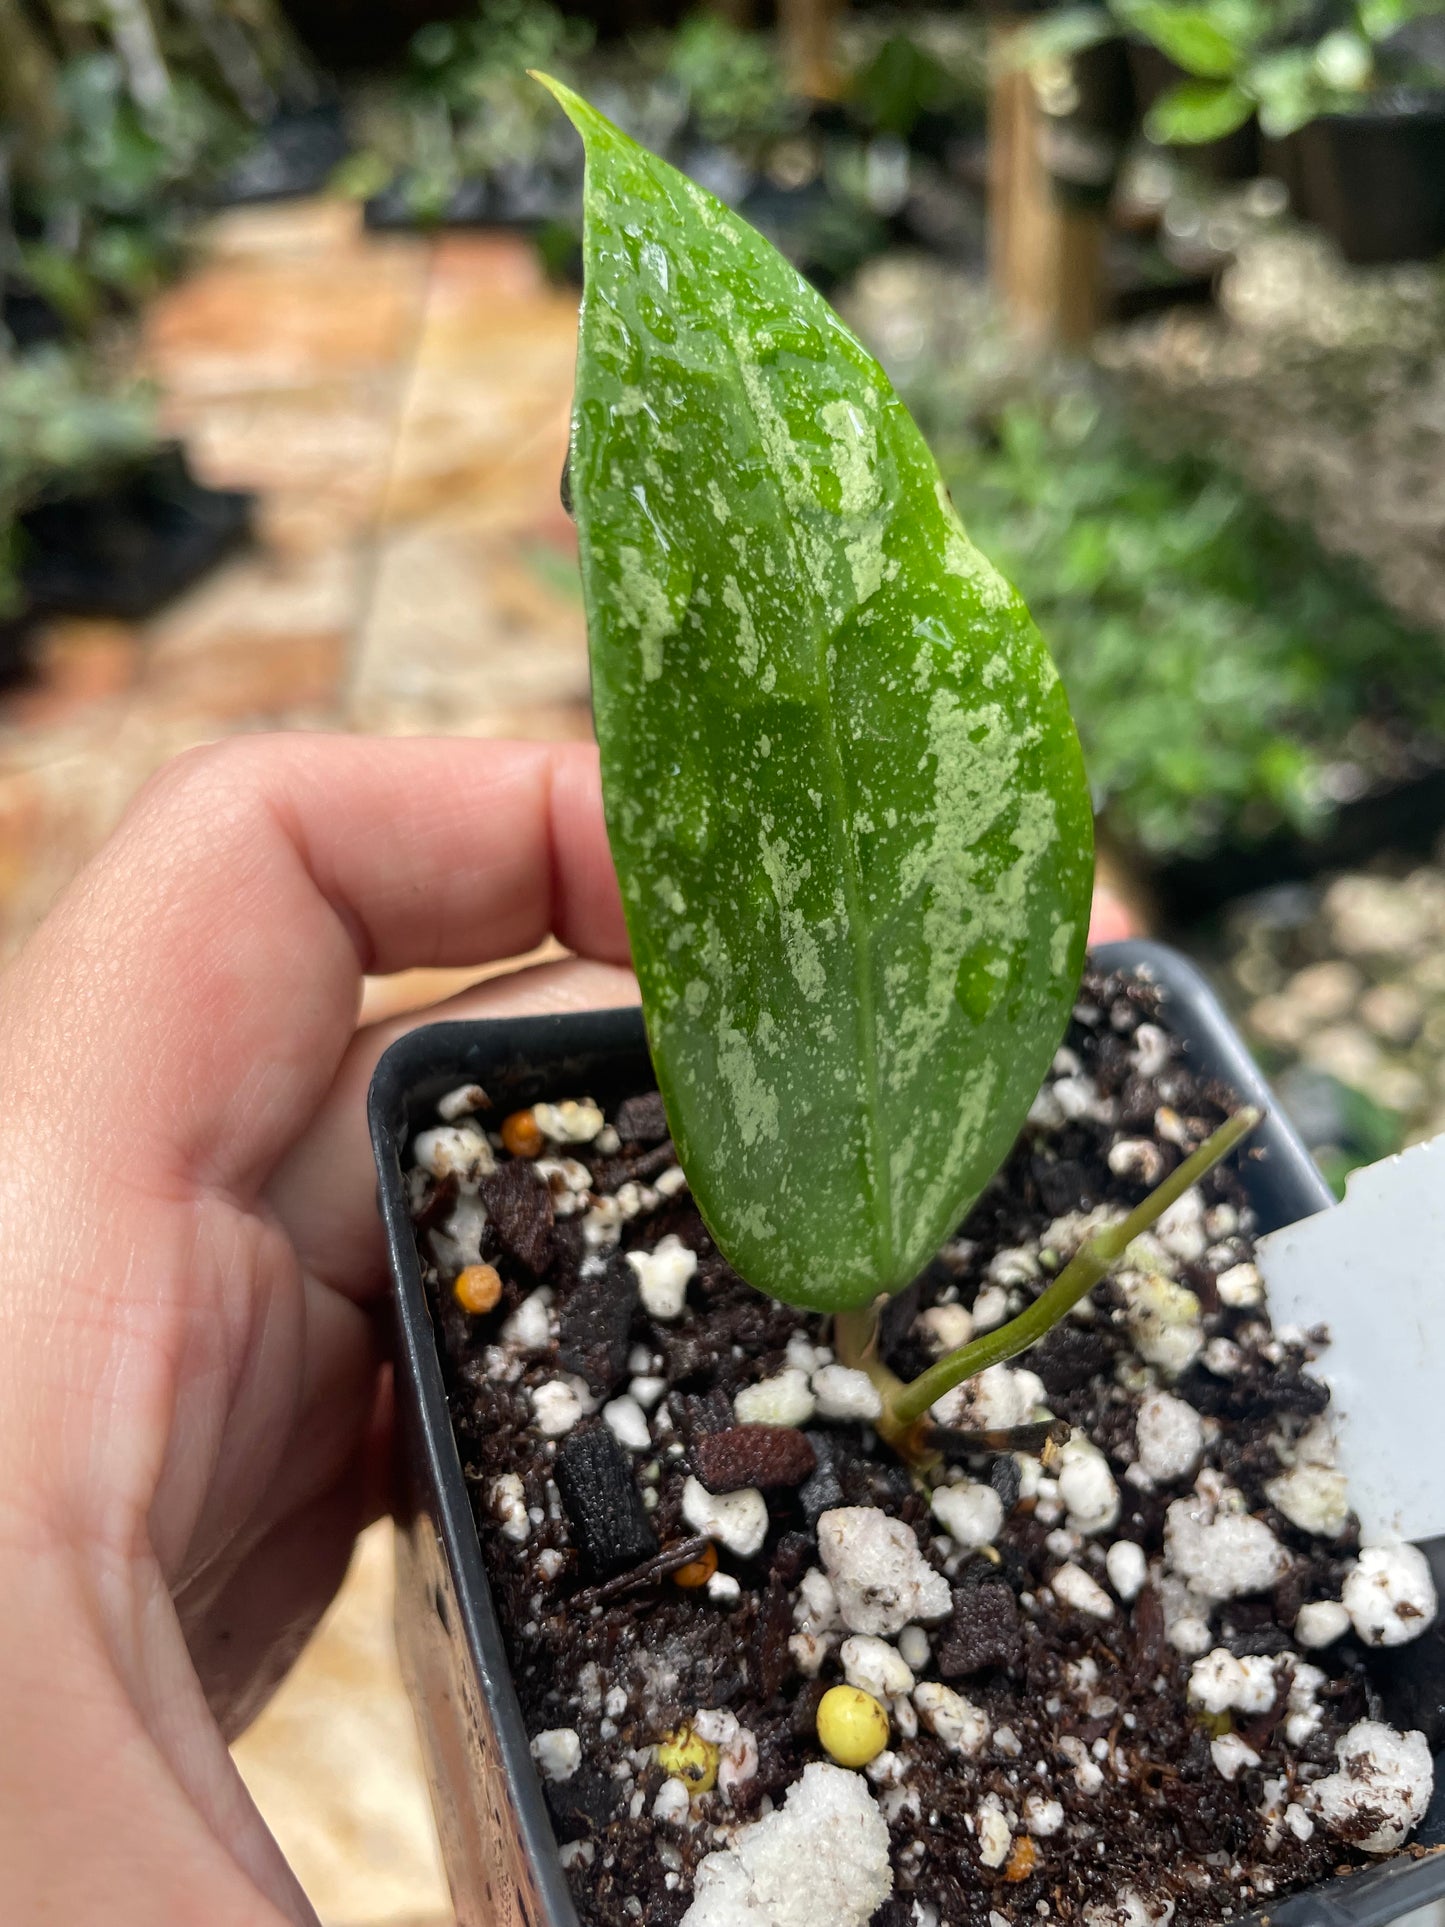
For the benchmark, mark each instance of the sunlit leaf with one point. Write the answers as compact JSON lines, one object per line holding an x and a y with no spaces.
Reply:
{"x":843,"y":789}
{"x":1197,"y":110}
{"x":1193,"y":37}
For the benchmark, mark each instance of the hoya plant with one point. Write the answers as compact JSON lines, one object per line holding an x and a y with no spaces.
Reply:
{"x":843,"y":789}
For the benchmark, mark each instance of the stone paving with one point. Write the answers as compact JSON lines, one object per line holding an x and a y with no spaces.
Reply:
{"x":400,"y":407}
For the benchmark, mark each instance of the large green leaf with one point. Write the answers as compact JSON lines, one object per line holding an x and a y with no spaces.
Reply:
{"x":843,"y":789}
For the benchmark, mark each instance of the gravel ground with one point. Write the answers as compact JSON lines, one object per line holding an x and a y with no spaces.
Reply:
{"x":1340,"y":986}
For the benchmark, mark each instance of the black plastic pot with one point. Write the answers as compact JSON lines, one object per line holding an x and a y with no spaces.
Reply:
{"x":27,"y":317}
{"x":125,"y":546}
{"x":1375,"y":180}
{"x":497,"y":1842}
{"x":521,"y":198}
{"x":294,"y":154}
{"x":1405,"y":817}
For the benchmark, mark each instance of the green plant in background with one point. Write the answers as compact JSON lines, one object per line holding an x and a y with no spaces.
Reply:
{"x":463,"y":109}
{"x":1286,"y":61}
{"x":897,"y":75}
{"x":1217,"y":661}
{"x":730,"y":81}
{"x":62,"y":423}
{"x":1244,"y":57}
{"x":843,"y":790}
{"x":111,"y":122}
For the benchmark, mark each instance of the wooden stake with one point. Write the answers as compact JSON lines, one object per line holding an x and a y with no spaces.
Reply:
{"x":807,"y":30}
{"x":1045,"y":257}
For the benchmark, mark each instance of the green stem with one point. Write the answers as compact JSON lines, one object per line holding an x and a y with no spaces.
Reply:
{"x":1083,"y":1271}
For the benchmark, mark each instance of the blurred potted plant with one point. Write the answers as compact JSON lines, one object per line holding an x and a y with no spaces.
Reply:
{"x":461,"y":139}
{"x":1351,"y":102}
{"x":113,"y":136}
{"x":1365,"y":110}
{"x":96,"y":516}
{"x":59,"y":428}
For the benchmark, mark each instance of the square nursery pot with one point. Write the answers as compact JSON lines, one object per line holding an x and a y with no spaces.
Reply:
{"x":497,"y":1841}
{"x":1375,"y":180}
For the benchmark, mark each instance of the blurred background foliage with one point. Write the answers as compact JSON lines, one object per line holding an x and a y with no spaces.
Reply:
{"x":1247,"y":681}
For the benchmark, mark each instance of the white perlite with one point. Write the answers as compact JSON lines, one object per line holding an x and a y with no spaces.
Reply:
{"x":1075,"y":1589}
{"x":1240,"y":1287}
{"x":1128,"y":1908}
{"x":994,"y":1835}
{"x":784,"y":1400}
{"x":1086,"y":1486}
{"x":1170,"y":1436}
{"x":843,"y":1393}
{"x":829,"y":1831}
{"x":558,"y":1753}
{"x":881,"y":1579}
{"x":990,"y":1308}
{"x":662,"y":1277}
{"x":646,"y":1390}
{"x":955,"y":1721}
{"x":1219,"y":1550}
{"x":1042,"y":1816}
{"x":672,"y":1803}
{"x":557,"y":1405}
{"x":914,"y":1646}
{"x":1390,"y":1595}
{"x":1180,"y":1229}
{"x":737,"y":1520}
{"x":571,"y":1122}
{"x":1313,"y":1497}
{"x":944,"y":1328}
{"x":456,"y":1150}
{"x":1164,"y":1321}
{"x":508,"y":1499}
{"x":875,"y":1667}
{"x":1138,"y":1158}
{"x":1231,"y":1755}
{"x":529,"y":1328}
{"x":1321,"y":1623}
{"x":461,"y":1102}
{"x":815,"y":1610}
{"x":1220,"y":1683}
{"x":1127,"y":1568}
{"x":993,"y":1401}
{"x":626,"y":1421}
{"x":1381,"y":1790}
{"x":971,"y":1514}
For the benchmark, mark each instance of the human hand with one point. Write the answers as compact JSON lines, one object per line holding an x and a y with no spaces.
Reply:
{"x":192,"y":1412}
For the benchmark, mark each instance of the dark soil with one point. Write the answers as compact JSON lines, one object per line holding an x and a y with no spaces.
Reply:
{"x":1091,"y":1713}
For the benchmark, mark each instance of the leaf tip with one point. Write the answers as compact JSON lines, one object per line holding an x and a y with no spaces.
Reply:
{"x":582,"y":117}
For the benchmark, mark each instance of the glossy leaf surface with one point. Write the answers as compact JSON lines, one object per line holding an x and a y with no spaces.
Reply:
{"x":843,"y":790}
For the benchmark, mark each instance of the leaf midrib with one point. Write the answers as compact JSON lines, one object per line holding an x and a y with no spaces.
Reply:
{"x":852,"y":883}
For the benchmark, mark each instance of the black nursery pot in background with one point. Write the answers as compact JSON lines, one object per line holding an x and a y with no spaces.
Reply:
{"x":497,"y":1841}
{"x":1375,"y":180}
{"x":123,"y":546}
